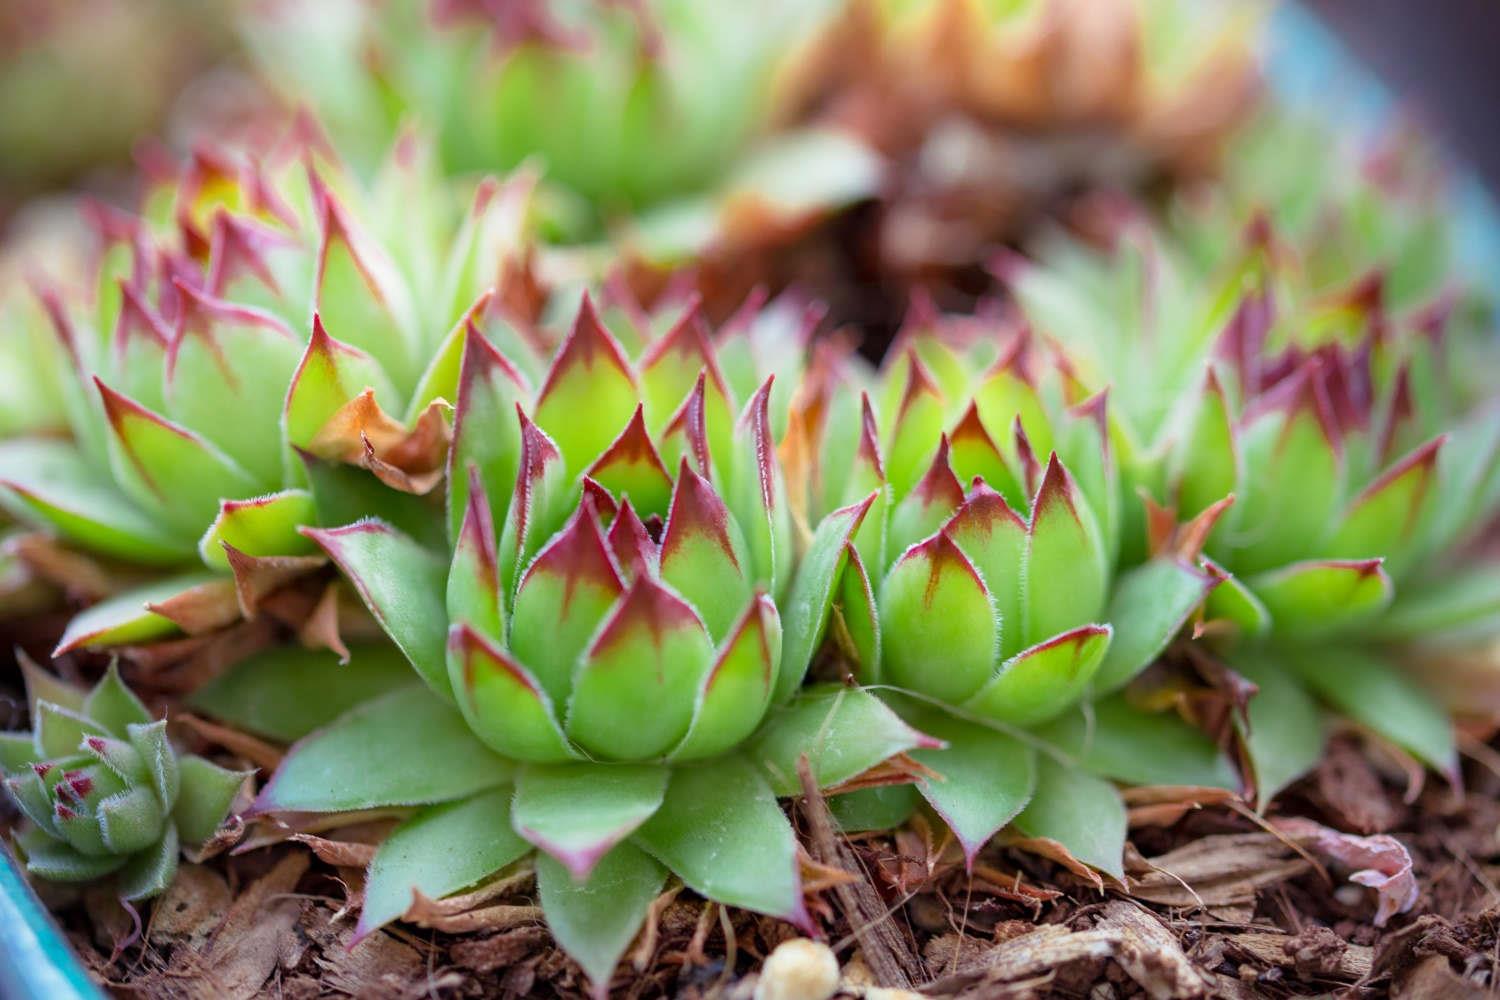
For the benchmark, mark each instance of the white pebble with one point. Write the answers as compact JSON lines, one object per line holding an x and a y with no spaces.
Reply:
{"x":798,"y":970}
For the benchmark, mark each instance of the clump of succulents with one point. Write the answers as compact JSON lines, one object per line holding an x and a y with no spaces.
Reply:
{"x":980,"y":591}
{"x":612,"y":646}
{"x":103,"y":791}
{"x":269,"y":344}
{"x":1326,"y":392}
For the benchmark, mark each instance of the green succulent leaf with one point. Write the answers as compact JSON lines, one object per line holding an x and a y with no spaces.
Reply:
{"x":722,"y":832}
{"x":1377,"y":694}
{"x":596,"y":919}
{"x":503,"y":702}
{"x":440,"y":850}
{"x":703,"y":554}
{"x":162,"y":767}
{"x":757,"y":495}
{"x":58,"y":731}
{"x":631,"y":467}
{"x":1038,"y":683}
{"x":53,"y":860}
{"x":1315,"y":598}
{"x":1286,"y":728}
{"x":52,"y":481}
{"x":406,"y":747}
{"x":1460,"y":604}
{"x":577,"y":813}
{"x":1150,"y":605}
{"x":843,"y":732}
{"x":287,"y":692}
{"x":486,"y":434}
{"x":637,"y":683}
{"x":330,"y":374}
{"x":113,"y":705}
{"x":884,"y":807}
{"x":261,"y":526}
{"x":1066,"y":577}
{"x":737,"y":689}
{"x":205,"y":795}
{"x":985,"y":777}
{"x":805,"y":611}
{"x":1232,"y":601}
{"x":1118,"y":741}
{"x":1081,"y":812}
{"x":1383,"y":520}
{"x":934,"y":604}
{"x":149,"y":872}
{"x":403,"y":585}
{"x":590,"y":374}
{"x":167,"y":468}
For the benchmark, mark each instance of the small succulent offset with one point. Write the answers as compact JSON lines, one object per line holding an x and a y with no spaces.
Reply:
{"x":211,"y":408}
{"x":613,"y":649}
{"x":981,"y":596}
{"x":1336,"y":412}
{"x":104,"y":792}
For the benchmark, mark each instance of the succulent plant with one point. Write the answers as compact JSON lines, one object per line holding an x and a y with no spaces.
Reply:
{"x":623,"y":106}
{"x":211,"y":405}
{"x":612,"y":649}
{"x":1332,"y":394}
{"x":103,"y":791}
{"x":980,"y":592}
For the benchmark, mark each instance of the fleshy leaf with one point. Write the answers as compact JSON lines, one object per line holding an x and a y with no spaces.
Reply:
{"x":1038,"y":683}
{"x":167,"y":468}
{"x":261,"y":526}
{"x":227,"y":374}
{"x":113,"y":705}
{"x":404,"y":748}
{"x":737,"y":688}
{"x":403,"y":585}
{"x":1287,"y":732}
{"x":1079,"y":811}
{"x":125,"y":619}
{"x":630,"y":467}
{"x":590,"y":374}
{"x":1206,"y":461}
{"x":1380,"y":696}
{"x":1461,"y":603}
{"x":595,"y":921}
{"x":330,"y":374}
{"x":205,"y":796}
{"x":485,"y":431}
{"x":58,"y":731}
{"x":1311,"y":598}
{"x":1140,"y":748}
{"x":473,"y":595}
{"x":933,"y":599}
{"x":564,"y":595}
{"x":53,"y":860}
{"x":1383,"y":520}
{"x":993,"y":536}
{"x":843,"y":731}
{"x":883,"y":807}
{"x":806,"y":607}
{"x":537,"y":503}
{"x":52,"y":481}
{"x":985,"y":778}
{"x":287,"y":692}
{"x":1150,"y":605}
{"x":975,"y":456}
{"x":577,"y":812}
{"x":149,"y":873}
{"x":757,"y":495}
{"x":721,"y":831}
{"x":437,"y":852}
{"x":504,"y":703}
{"x":934,"y":499}
{"x":703,"y":554}
{"x":150,"y":741}
{"x":917,"y":422}
{"x":1066,"y":577}
{"x":637,"y":683}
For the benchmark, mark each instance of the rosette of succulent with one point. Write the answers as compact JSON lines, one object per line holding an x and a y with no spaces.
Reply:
{"x":1330,"y":379}
{"x":610,"y":652}
{"x":103,"y":792}
{"x":974,"y":514}
{"x":270,"y":344}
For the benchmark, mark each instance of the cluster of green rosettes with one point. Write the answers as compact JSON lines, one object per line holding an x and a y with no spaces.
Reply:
{"x":614,"y":543}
